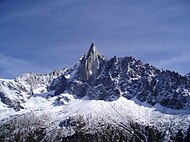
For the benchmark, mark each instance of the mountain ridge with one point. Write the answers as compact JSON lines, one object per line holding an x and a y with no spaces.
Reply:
{"x":119,"y":97}
{"x":124,"y":76}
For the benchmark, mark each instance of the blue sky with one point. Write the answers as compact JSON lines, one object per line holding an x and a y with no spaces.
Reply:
{"x":42,"y":35}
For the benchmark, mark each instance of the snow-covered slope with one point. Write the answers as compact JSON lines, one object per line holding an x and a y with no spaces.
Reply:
{"x":120,"y":99}
{"x":64,"y":114}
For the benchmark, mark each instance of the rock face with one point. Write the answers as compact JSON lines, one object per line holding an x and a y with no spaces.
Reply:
{"x":91,"y":65}
{"x":94,"y":100}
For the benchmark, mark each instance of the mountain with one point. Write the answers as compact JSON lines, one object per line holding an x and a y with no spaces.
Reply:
{"x":120,"y":99}
{"x":187,"y":76}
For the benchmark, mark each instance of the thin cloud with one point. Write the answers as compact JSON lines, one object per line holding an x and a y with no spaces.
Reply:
{"x":35,"y":9}
{"x":11,"y":66}
{"x":176,"y":63}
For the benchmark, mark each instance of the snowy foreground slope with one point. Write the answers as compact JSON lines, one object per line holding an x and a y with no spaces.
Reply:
{"x":120,"y":99}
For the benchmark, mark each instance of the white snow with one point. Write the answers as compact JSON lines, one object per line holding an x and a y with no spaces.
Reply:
{"x":9,"y":92}
{"x":94,"y":111}
{"x":40,"y":89}
{"x":5,"y":112}
{"x":90,"y":72}
{"x":7,"y":80}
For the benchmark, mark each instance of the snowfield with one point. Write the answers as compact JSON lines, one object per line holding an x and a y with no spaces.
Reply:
{"x":94,"y":112}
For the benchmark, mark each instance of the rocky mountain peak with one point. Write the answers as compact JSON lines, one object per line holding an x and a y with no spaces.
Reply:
{"x":134,"y":102}
{"x":91,"y":64}
{"x":93,"y":48}
{"x":92,"y":52}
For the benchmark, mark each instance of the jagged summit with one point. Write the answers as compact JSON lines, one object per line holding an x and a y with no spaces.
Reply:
{"x":93,"y":48}
{"x":92,"y":52}
{"x":91,"y":64}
